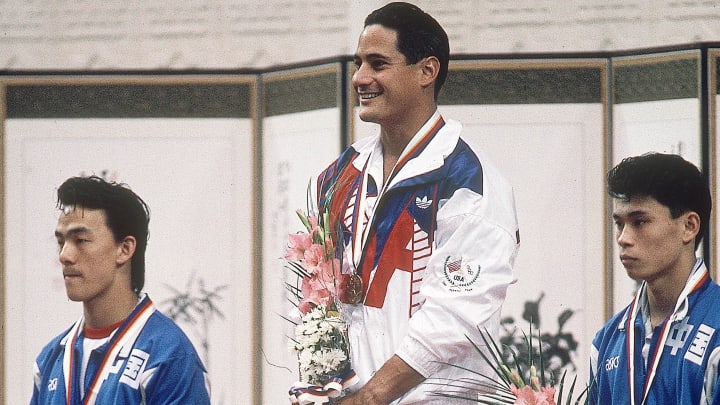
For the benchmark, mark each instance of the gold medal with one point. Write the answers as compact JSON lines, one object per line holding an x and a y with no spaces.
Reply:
{"x":354,"y":289}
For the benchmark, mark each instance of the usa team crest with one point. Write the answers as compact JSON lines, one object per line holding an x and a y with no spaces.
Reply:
{"x":460,"y":275}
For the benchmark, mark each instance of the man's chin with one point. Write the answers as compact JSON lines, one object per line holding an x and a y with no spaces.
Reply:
{"x":368,"y":119}
{"x":634,"y":274}
{"x":368,"y":116}
{"x":74,"y":297}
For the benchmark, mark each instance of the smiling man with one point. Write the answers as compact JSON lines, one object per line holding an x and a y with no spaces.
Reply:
{"x":121,"y":350}
{"x":427,"y":224}
{"x":664,"y":347}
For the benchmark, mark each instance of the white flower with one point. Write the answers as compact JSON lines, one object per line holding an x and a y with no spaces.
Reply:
{"x":329,"y":326}
{"x":330,"y":360}
{"x":321,"y":345}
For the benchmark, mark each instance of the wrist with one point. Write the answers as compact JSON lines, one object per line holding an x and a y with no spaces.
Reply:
{"x":363,"y":396}
{"x":369,"y":395}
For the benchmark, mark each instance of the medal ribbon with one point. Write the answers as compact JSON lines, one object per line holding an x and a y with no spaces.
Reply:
{"x":361,"y":233}
{"x":126,"y":333}
{"x":697,"y":278}
{"x":309,"y":394}
{"x":69,"y":360}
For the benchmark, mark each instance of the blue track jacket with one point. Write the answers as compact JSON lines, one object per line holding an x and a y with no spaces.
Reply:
{"x":147,"y":360}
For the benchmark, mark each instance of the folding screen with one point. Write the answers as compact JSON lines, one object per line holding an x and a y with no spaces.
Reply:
{"x":301,"y":128}
{"x":224,"y":160}
{"x":542,"y":123}
{"x":185,"y":144}
{"x":656,"y":107}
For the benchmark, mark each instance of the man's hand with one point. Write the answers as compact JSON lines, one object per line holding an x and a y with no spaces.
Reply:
{"x":392,"y":381}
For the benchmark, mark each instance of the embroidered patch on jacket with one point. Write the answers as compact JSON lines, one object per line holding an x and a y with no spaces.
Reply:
{"x":134,"y":368}
{"x":699,"y":345}
{"x":460,"y":274}
{"x":423,"y":202}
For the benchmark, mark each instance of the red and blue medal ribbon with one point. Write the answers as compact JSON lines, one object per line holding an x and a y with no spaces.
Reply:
{"x":126,"y":334}
{"x":697,"y":278}
{"x":362,"y":231}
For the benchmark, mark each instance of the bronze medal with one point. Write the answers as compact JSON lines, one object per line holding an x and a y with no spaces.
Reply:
{"x":354,"y":289}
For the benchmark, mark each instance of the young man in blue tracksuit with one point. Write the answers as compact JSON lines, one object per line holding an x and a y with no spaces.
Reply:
{"x":121,"y":350}
{"x":663,"y":348}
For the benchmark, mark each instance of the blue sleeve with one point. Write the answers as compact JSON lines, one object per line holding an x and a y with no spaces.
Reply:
{"x":179,"y":381}
{"x":34,"y":400}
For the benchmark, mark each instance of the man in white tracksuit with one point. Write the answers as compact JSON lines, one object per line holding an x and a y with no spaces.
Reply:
{"x":428,"y":225}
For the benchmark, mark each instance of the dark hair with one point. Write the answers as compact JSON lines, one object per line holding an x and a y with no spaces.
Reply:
{"x":669,"y":179}
{"x":419,"y":35}
{"x":126,"y":214}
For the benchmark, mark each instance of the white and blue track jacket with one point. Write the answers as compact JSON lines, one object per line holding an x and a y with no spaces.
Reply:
{"x":436,"y":259}
{"x":147,"y":360}
{"x":682,"y":360}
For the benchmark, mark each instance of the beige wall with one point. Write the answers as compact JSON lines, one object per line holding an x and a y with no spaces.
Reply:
{"x":154,"y":34}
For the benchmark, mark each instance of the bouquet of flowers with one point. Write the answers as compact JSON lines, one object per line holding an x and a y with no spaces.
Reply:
{"x":515,"y":386}
{"x":320,"y":338}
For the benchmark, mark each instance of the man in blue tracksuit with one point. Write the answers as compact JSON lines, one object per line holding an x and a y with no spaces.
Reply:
{"x":121,"y":350}
{"x":664,"y":348}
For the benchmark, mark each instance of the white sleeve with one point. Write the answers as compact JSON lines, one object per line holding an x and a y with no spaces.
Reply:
{"x":466,"y":280}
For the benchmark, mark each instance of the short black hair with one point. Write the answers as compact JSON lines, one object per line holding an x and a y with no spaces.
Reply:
{"x":419,"y":35}
{"x":669,"y":179}
{"x":126,"y":214}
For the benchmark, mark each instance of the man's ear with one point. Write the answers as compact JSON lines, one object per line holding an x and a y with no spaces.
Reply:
{"x":126,"y":250}
{"x":692,"y":226}
{"x":429,"y":69}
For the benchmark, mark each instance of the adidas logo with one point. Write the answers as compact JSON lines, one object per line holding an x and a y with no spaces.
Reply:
{"x":422,"y":203}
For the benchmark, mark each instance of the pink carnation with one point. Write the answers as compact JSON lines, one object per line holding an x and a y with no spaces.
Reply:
{"x":330,"y":276}
{"x":527,"y":396}
{"x":314,"y":293}
{"x":298,"y":243}
{"x":313,"y":257}
{"x":313,"y":221}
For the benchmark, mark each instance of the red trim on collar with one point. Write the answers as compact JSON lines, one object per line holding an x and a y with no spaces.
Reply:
{"x":99,"y":333}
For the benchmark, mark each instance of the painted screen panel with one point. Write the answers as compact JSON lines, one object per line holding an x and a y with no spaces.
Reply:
{"x":553,"y":156}
{"x":667,"y":126}
{"x":296,"y":147}
{"x":194,"y":173}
